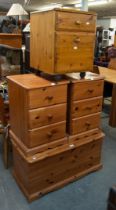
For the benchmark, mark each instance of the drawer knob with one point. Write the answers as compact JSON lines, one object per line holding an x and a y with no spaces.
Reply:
{"x":90,"y":90}
{"x":50,"y":117}
{"x":77,"y":22}
{"x":88,"y":123}
{"x":76,"y":108}
{"x":77,"y":40}
{"x":49,"y":134}
{"x":37,"y":117}
{"x":49,"y":98}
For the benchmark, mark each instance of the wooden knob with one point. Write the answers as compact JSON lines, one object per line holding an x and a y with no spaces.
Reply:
{"x":90,"y":90}
{"x":50,"y":97}
{"x":37,"y":117}
{"x":77,"y":40}
{"x":77,"y":22}
{"x":88,"y":123}
{"x":76,"y":108}
{"x":49,"y":134}
{"x":50,"y":116}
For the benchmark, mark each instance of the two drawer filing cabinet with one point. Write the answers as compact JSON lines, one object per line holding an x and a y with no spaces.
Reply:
{"x":62,"y":40}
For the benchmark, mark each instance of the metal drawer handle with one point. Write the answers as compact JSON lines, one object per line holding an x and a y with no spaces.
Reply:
{"x":49,"y":134}
{"x":50,"y":117}
{"x":90,"y":90}
{"x":77,"y":22}
{"x":50,"y":97}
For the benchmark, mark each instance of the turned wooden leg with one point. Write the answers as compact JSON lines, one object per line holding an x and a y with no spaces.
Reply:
{"x":112,"y":120}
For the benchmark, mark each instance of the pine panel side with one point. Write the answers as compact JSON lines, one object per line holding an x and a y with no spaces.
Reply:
{"x":42,"y":41}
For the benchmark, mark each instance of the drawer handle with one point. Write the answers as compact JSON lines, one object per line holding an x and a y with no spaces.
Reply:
{"x":88,"y":123}
{"x":77,"y":40}
{"x":49,"y":98}
{"x":49,"y":134}
{"x":37,"y":117}
{"x":76,"y":108}
{"x":50,"y":117}
{"x":90,"y":90}
{"x":77,"y":22}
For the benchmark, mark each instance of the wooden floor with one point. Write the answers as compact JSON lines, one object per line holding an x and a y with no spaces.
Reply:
{"x":88,"y":193}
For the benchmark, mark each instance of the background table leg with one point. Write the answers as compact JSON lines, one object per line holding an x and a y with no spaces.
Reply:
{"x":112,"y":120}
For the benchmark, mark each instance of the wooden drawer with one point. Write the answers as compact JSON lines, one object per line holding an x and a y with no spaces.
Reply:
{"x":32,"y":151}
{"x":86,"y":107}
{"x":84,"y":136}
{"x":87,"y":89}
{"x":47,"y":96}
{"x":69,"y":50}
{"x":49,"y":170}
{"x":47,"y":134}
{"x":47,"y":115}
{"x":83,"y":124}
{"x":75,"y":22}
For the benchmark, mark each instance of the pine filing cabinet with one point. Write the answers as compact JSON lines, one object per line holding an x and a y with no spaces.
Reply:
{"x":62,"y":40}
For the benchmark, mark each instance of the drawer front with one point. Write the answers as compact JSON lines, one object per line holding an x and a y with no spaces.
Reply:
{"x":47,"y":115}
{"x":75,"y":22}
{"x":86,"y":107}
{"x":47,"y":96}
{"x":69,"y":55}
{"x":47,"y":134}
{"x":83,"y":124}
{"x":85,"y":90}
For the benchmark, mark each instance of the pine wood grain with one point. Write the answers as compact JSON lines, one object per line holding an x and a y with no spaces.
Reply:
{"x":13,"y":40}
{"x":48,"y":170}
{"x":69,"y":52}
{"x":75,"y":22}
{"x":57,"y":45}
{"x":46,"y":115}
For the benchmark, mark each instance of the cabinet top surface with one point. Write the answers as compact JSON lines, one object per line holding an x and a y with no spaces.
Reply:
{"x":89,"y":76}
{"x":31,"y":81}
{"x":66,"y":10}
